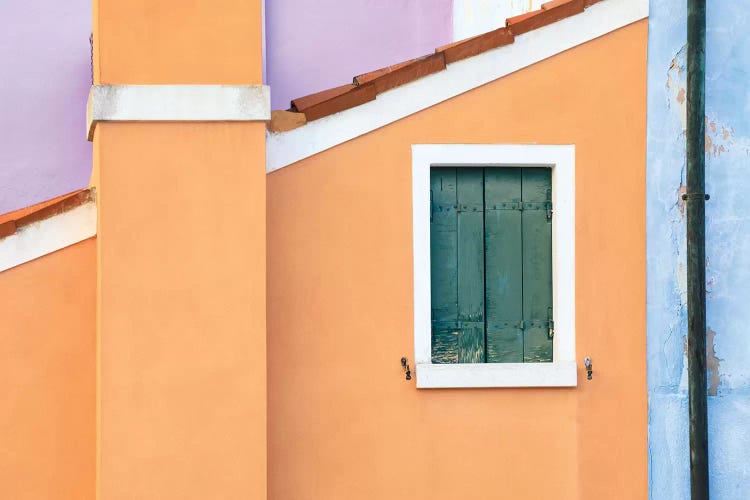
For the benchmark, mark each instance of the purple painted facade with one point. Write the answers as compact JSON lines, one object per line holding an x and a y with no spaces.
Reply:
{"x":44,"y":50}
{"x":45,"y":56}
{"x":313,"y":46}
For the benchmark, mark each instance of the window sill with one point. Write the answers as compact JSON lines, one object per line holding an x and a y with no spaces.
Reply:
{"x":556,"y":374}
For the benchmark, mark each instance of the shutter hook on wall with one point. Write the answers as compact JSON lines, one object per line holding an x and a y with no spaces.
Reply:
{"x":589,"y":368}
{"x":405,"y":366}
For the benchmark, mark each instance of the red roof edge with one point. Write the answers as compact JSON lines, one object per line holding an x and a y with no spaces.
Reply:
{"x":366,"y":87}
{"x":549,"y":13}
{"x":400,"y":74}
{"x":12,"y":221}
{"x":476,"y":45}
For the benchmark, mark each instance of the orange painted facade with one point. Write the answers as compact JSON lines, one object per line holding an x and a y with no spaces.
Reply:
{"x":343,"y":422}
{"x":181,"y":262}
{"x":235,"y":334}
{"x":47,"y":368}
{"x":182,"y":314}
{"x":173,"y":41}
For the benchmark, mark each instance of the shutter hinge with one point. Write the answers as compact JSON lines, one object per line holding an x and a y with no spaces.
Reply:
{"x":549,"y":204}
{"x":550,"y":324}
{"x":432,"y":206}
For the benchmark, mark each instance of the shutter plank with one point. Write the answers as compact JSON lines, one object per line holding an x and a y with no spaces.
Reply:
{"x":504,"y":265}
{"x":470,"y":190}
{"x":443,"y":265}
{"x":537,"y":264}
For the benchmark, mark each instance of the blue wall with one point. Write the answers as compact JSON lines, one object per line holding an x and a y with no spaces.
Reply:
{"x":728,"y":249}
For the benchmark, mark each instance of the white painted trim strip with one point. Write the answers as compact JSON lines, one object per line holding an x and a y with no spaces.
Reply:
{"x":285,"y":148}
{"x":48,"y":235}
{"x":561,"y":159}
{"x":177,"y":103}
{"x":558,"y":374}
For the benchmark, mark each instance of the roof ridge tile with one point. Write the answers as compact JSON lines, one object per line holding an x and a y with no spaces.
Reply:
{"x":476,"y":45}
{"x":399,"y":74}
{"x":550,"y":12}
{"x":332,"y":101}
{"x":367,"y":86}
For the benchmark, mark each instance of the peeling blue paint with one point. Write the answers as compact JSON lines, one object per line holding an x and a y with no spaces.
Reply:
{"x":728,"y":249}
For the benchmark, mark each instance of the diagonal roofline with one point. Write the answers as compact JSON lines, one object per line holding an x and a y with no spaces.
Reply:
{"x":358,"y":109}
{"x":35,"y":231}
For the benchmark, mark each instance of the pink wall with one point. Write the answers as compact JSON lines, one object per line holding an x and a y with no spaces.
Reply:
{"x":313,"y":46}
{"x":44,"y":81}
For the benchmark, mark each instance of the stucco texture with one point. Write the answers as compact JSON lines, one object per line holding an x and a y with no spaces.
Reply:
{"x":343,"y":421}
{"x":182,"y":310}
{"x":177,"y":42}
{"x":48,"y":373}
{"x":727,"y":250}
{"x":181,"y":258}
{"x":44,"y":82}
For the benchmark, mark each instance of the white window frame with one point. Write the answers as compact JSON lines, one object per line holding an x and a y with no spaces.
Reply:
{"x":562,"y":371}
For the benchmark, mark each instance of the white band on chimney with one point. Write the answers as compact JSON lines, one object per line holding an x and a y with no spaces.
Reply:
{"x":177,"y":103}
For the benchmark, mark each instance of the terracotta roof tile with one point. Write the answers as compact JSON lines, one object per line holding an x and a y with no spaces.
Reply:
{"x":281,"y":121}
{"x":548,"y":14}
{"x":553,"y":3}
{"x":334,"y":100}
{"x":12,"y":221}
{"x":372,"y":75}
{"x":367,"y":86}
{"x":400,"y":74}
{"x":521,"y":17}
{"x":302,"y":103}
{"x":476,"y":45}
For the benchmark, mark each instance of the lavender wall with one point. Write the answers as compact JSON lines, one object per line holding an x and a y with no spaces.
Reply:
{"x":44,"y":52}
{"x":313,"y":46}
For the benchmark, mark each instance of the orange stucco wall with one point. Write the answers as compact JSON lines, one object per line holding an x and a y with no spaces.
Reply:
{"x":182,"y":312}
{"x":343,"y":422}
{"x":47,"y":368}
{"x":181,"y":261}
{"x":177,"y":41}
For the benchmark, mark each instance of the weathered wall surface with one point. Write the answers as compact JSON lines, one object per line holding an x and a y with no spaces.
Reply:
{"x":343,"y":422}
{"x":728,"y":250}
{"x":47,"y":368}
{"x":46,"y":74}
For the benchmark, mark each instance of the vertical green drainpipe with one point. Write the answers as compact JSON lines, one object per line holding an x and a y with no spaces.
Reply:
{"x":696,"y":247}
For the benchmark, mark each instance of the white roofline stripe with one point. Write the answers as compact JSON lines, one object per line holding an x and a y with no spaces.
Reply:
{"x":286,"y":148}
{"x":48,"y":235}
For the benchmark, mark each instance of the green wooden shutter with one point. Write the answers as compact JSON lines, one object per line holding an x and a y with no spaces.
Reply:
{"x":457,"y":265}
{"x":470,"y":217}
{"x":491,"y":248}
{"x":537,"y":264}
{"x":443,"y":265}
{"x":504,"y":265}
